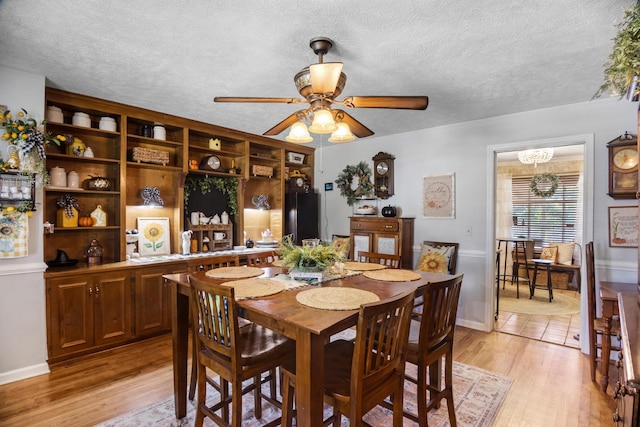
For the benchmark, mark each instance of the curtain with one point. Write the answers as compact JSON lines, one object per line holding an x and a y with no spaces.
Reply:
{"x":504,"y":215}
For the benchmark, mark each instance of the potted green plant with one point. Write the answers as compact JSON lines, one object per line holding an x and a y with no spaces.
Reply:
{"x":622,"y":68}
{"x":306,"y":257}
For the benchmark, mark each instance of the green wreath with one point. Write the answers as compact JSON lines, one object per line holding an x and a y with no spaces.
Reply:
{"x":345,"y":180}
{"x":547,"y":179}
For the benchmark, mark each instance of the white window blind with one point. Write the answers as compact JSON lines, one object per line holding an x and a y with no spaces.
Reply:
{"x":545,"y":220}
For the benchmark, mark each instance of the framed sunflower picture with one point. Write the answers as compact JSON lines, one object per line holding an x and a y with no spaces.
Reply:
{"x":154,"y":236}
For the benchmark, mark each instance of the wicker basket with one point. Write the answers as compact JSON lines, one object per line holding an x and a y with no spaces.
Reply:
{"x":258,"y":170}
{"x":148,"y":155}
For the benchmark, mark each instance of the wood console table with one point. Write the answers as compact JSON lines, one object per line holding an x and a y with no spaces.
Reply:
{"x":626,"y":390}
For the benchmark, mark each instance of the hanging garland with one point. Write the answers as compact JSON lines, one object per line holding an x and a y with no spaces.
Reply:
{"x":548,"y":180}
{"x":362,"y":172}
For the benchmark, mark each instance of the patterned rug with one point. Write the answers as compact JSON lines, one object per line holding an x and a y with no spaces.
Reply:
{"x":478,"y":396}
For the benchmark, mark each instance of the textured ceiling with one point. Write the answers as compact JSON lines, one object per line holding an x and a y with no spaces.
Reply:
{"x":474,"y":59}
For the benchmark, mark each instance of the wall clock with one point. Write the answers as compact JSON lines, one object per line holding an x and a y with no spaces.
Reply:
{"x":210,"y":163}
{"x":383,"y":174}
{"x":623,"y":167}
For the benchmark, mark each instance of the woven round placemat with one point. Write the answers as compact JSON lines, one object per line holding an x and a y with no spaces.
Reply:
{"x":362,"y":266}
{"x":254,"y":288}
{"x":277,"y":263}
{"x":234,"y":272}
{"x":336,"y":298}
{"x":392,"y":275}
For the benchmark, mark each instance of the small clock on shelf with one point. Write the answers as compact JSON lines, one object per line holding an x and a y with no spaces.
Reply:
{"x":211,"y":163}
{"x":623,"y":167}
{"x":298,"y":182}
{"x":383,"y":174}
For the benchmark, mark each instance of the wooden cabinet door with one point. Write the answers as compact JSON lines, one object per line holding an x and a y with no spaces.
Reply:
{"x":360,"y":242}
{"x":70,"y":311}
{"x":112,"y":314}
{"x":384,"y":243}
{"x":152,"y":301}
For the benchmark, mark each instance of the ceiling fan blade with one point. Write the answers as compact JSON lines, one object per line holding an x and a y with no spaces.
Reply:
{"x":357,"y":128}
{"x":397,"y":102}
{"x":250,"y":99}
{"x":283,"y":125}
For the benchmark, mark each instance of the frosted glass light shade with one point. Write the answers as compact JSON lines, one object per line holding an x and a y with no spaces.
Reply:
{"x":299,"y":133}
{"x":322,"y":122}
{"x":535,"y":156}
{"x":342,"y":134}
{"x":324,"y":77}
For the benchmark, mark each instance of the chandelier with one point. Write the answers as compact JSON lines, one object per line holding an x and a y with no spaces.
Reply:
{"x":321,"y":121}
{"x":535,"y":156}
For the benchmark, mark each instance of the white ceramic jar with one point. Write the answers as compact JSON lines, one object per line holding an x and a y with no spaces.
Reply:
{"x":73,"y":180}
{"x":107,"y":123}
{"x":54,"y":114}
{"x":159,"y":132}
{"x":58,"y":177}
{"x":81,"y":119}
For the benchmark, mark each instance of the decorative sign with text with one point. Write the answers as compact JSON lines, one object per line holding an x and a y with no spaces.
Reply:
{"x":438,"y":196}
{"x":623,"y":226}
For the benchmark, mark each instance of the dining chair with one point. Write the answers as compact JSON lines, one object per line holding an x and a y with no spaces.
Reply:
{"x":262,"y":259}
{"x":359,"y":375}
{"x":431,"y":339}
{"x":236,"y":353}
{"x":391,"y":261}
{"x":214,"y":262}
{"x":596,"y":324}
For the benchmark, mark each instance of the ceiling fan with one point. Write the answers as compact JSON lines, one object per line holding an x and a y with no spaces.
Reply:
{"x":320,"y":84}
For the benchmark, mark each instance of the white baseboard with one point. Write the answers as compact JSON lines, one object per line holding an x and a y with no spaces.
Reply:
{"x":471,"y":325}
{"x":24,"y":373}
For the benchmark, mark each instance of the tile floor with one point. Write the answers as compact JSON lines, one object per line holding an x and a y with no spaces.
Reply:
{"x":554,"y":329}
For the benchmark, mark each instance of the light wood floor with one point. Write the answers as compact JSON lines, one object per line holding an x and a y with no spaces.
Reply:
{"x":551,"y":384}
{"x":558,"y":329}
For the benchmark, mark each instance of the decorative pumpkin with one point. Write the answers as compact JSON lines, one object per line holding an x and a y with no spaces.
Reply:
{"x":85,"y":221}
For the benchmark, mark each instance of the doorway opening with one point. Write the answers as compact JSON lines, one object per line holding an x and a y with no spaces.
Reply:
{"x":543,"y":217}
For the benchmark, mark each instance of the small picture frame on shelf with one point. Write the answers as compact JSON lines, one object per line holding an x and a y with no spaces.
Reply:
{"x":155,"y":236}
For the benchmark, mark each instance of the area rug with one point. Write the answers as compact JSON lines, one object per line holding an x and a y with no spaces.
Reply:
{"x":562,"y":304}
{"x":478,"y":396}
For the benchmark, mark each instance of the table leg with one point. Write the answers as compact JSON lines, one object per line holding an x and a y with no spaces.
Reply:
{"x":180,"y":333}
{"x":309,"y":379}
{"x":549,"y":286}
{"x":606,"y":352}
{"x":532,"y":284}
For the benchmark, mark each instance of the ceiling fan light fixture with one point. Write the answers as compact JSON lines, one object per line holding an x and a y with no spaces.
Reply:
{"x":342,"y":134}
{"x":535,"y":156}
{"x":299,"y":133}
{"x":322,"y":122}
{"x":325,"y":76}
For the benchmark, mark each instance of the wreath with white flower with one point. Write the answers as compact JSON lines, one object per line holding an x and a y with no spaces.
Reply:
{"x":544,"y":185}
{"x":364,"y":188}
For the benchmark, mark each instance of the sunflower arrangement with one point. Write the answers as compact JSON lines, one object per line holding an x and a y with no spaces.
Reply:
{"x":29,"y":141}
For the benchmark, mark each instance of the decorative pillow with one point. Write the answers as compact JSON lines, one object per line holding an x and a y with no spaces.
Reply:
{"x":565,"y":252}
{"x":435,"y":259}
{"x":549,"y":253}
{"x":342,"y":245}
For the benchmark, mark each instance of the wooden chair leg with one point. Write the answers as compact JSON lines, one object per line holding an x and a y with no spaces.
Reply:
{"x":257,"y":396}
{"x":287,"y":389}
{"x":448,"y":381}
{"x":194,"y":366}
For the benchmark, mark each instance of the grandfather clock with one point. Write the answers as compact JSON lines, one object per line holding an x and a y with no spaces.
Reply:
{"x":383,"y":174}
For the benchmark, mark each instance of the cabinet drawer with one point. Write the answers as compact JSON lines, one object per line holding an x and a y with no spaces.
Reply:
{"x":375,"y":225}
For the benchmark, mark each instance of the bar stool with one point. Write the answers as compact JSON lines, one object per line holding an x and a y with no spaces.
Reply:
{"x":520,"y":244}
{"x":532,"y":285}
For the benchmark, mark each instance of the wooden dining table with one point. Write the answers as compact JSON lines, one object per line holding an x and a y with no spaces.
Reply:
{"x":609,"y":294}
{"x":310,"y":327}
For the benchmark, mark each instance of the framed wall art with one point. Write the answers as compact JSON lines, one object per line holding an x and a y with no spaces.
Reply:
{"x":154,"y":236}
{"x":438,"y":196}
{"x":623,"y":226}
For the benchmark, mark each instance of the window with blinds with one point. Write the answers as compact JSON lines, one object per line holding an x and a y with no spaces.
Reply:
{"x":544,"y":220}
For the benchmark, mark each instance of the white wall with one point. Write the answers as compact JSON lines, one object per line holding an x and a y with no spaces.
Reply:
{"x":22,"y":294}
{"x":462,"y":149}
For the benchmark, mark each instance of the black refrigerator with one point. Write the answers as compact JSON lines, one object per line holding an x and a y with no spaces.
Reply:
{"x":301,"y":216}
